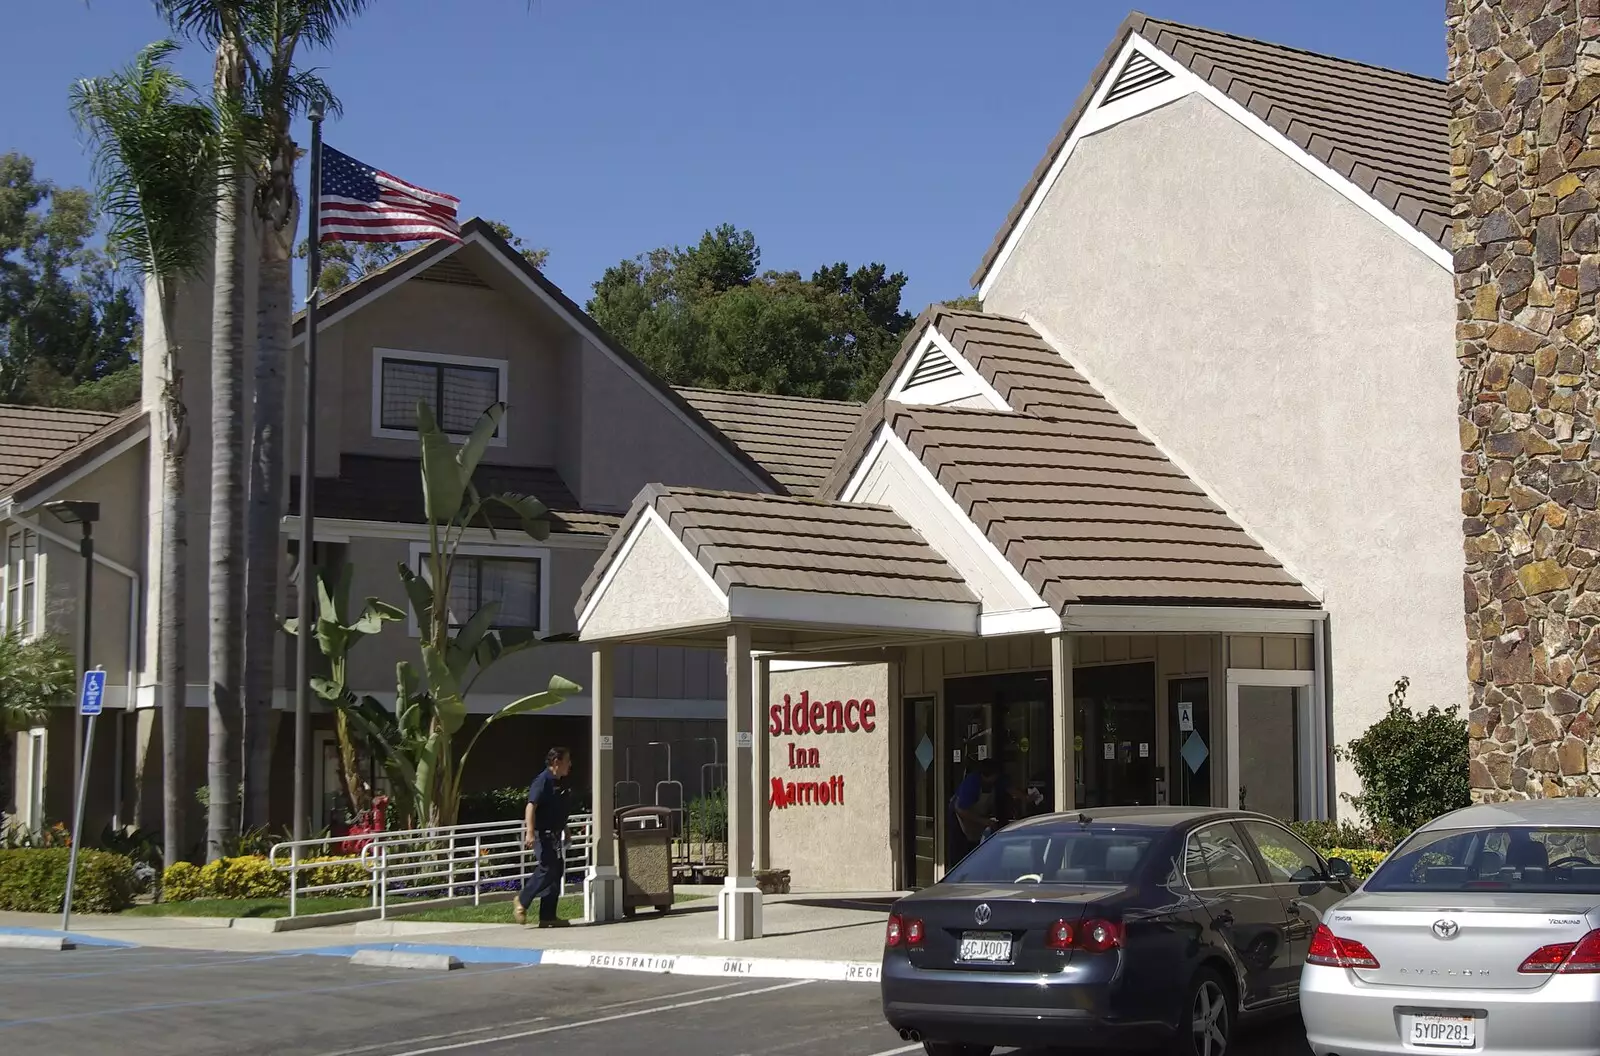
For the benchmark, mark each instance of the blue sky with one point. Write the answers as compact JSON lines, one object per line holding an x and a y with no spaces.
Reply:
{"x":856,"y":130}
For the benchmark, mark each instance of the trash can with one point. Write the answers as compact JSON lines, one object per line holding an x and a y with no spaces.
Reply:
{"x":644,"y":857}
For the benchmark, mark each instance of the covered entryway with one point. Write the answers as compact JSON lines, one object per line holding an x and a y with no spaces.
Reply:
{"x":752,"y":575}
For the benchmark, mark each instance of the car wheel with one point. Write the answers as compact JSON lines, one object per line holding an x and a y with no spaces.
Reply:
{"x":1206,"y":1026}
{"x":949,"y":1048}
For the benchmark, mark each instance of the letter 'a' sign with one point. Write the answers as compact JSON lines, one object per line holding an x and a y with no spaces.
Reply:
{"x":94,"y":692}
{"x":1185,"y":718}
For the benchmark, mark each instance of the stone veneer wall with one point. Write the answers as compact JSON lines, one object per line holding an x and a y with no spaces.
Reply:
{"x":1525,"y":168}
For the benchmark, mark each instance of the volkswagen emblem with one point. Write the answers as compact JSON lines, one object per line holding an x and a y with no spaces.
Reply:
{"x":1446,"y":929}
{"x":982,"y":913}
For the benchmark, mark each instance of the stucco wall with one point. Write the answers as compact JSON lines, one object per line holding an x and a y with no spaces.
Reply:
{"x":1291,"y":352}
{"x":848,"y":846}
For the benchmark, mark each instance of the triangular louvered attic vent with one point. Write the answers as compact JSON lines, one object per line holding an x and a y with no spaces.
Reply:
{"x":452,"y":271}
{"x":934,"y":366}
{"x":1140,"y":72}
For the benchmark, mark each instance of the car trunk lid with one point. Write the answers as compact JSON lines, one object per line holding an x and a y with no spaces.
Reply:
{"x":1463,"y":941}
{"x":1006,"y":929}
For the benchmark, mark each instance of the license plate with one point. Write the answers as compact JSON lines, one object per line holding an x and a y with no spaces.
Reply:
{"x":983,"y":947}
{"x":1442,"y":1032}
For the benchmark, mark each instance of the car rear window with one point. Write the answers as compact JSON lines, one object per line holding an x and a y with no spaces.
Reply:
{"x":1531,"y":859}
{"x":1095,"y":855}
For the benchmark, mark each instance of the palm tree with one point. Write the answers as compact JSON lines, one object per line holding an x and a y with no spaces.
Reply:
{"x":219,"y":23}
{"x":275,"y":30}
{"x":155,"y":155}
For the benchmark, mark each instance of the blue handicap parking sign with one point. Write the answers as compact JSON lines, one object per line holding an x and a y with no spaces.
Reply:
{"x":94,"y":691}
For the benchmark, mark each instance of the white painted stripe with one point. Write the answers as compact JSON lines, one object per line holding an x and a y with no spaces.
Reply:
{"x":904,"y":1048}
{"x":717,"y":967}
{"x":599,"y":1020}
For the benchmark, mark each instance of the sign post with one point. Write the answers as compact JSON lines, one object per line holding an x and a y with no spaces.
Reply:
{"x":90,"y":701}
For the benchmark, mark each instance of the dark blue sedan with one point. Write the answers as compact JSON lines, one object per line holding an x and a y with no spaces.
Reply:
{"x":1120,"y":927}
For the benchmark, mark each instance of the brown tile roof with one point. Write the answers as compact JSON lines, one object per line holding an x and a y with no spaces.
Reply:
{"x":783,"y":543}
{"x":41,"y":444}
{"x":370,"y":488}
{"x":1384,"y":130}
{"x":796,"y":438}
{"x":375,"y":281}
{"x":1080,"y":502}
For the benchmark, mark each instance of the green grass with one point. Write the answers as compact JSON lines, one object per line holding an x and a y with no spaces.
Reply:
{"x":246,"y":907}
{"x":569,"y":908}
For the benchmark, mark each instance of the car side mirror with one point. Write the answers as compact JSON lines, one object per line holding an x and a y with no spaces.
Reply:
{"x":1340,"y":869}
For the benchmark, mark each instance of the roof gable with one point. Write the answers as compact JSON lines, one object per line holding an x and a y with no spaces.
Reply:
{"x":40,"y":446}
{"x":1384,"y":131}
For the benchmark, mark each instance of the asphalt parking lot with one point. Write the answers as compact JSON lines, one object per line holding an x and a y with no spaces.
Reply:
{"x":142,"y":1001}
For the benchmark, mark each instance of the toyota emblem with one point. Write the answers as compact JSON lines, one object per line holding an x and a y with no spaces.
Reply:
{"x":982,"y":913}
{"x":1446,"y":929}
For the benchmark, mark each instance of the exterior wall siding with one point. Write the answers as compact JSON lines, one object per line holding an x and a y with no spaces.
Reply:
{"x":1233,"y":305}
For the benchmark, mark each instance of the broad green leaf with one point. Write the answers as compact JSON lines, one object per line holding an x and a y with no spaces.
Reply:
{"x":464,"y":646}
{"x":420,"y":593}
{"x":443,"y":483}
{"x":560,"y":689}
{"x":291,"y":627}
{"x":374,"y":616}
{"x":471,"y":452}
{"x":449,"y":705}
{"x":529,"y":511}
{"x":329,"y":690}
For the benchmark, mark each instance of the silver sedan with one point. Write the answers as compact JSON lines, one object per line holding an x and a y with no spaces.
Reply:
{"x":1480,"y":933}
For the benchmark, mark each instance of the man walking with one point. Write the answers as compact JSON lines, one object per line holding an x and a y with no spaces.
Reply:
{"x":543,"y":823}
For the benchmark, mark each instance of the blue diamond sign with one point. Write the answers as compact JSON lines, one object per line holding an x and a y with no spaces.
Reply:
{"x":1194,"y":752}
{"x":925,"y":752}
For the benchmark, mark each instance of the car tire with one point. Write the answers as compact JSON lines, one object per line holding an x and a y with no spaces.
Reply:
{"x":1206,"y":1019}
{"x":950,"y":1048}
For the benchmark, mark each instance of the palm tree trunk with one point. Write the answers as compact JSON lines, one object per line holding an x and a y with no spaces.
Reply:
{"x":277,"y":215}
{"x":171,"y":643}
{"x":226,"y":605}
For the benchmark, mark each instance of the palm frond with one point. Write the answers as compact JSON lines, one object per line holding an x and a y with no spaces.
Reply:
{"x":155,"y":151}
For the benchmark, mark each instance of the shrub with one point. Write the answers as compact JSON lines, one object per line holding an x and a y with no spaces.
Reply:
{"x":1362,"y":861}
{"x":1413,"y":766}
{"x":35,"y":880}
{"x":347,"y":873}
{"x":707,"y":818}
{"x":495,"y":804}
{"x":242,"y":877}
{"x":181,"y":883}
{"x":1346,"y":834}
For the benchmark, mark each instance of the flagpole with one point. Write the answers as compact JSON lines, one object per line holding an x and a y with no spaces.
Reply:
{"x":307,"y":585}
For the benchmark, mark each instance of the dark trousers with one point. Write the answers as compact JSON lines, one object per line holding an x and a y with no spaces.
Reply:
{"x":544,"y":883}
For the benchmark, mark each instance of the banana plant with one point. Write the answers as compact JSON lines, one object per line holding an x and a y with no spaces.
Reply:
{"x":417,"y":739}
{"x":336,"y":635}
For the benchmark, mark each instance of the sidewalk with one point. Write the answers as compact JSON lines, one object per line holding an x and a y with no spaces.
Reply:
{"x":834,"y":935}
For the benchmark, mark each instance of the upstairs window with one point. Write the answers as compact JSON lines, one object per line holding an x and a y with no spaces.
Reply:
{"x":515,"y":578}
{"x":22,"y":587}
{"x":458,"y":389}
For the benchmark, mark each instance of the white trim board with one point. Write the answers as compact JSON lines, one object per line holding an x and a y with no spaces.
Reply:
{"x":1187,"y":82}
{"x":1108,"y":392}
{"x":337,"y":530}
{"x":1183,"y":619}
{"x":480,"y":703}
{"x":809,"y":609}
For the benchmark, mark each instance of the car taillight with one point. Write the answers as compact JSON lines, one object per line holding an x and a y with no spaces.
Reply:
{"x":1099,"y":936}
{"x":1060,"y":936}
{"x":896,"y":926}
{"x":914,"y":932}
{"x":1330,"y":951}
{"x":1565,"y":958}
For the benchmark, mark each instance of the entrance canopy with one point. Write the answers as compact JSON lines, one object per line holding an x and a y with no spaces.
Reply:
{"x":801,"y":574}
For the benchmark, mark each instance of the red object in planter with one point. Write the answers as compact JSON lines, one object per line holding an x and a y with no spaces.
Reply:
{"x":368,"y":821}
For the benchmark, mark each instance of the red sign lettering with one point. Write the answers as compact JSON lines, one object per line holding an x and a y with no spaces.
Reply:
{"x":815,"y":716}
{"x":829,"y":793}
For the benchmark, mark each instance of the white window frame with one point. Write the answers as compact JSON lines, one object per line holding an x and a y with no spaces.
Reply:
{"x":419,"y":553}
{"x":33,"y":760}
{"x":383,"y":355}
{"x":1312,"y":751}
{"x":8,"y":570}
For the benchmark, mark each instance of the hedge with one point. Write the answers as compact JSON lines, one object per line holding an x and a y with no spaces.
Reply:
{"x":1362,"y":863}
{"x":251,"y":876}
{"x":35,"y":880}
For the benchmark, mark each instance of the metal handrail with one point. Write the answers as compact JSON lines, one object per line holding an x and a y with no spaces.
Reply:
{"x":428,"y":864}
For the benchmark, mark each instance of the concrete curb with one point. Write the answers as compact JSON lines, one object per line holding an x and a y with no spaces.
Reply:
{"x":55,"y":943}
{"x":436,"y":962}
{"x":72,"y":938}
{"x":616,"y":960}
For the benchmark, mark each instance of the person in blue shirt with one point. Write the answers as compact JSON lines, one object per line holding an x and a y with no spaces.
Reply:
{"x":543,"y":823}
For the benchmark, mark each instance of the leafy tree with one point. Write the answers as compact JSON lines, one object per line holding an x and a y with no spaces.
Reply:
{"x":969,"y":303}
{"x":65,"y":318}
{"x":34,"y":674}
{"x":1412,"y":765}
{"x":155,"y":154}
{"x":346,"y":262}
{"x":707,"y":315}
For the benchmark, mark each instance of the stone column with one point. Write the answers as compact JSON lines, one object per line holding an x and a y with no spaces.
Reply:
{"x":739,"y":901}
{"x":602,"y":886}
{"x":1063,"y":715}
{"x":1525,"y":172}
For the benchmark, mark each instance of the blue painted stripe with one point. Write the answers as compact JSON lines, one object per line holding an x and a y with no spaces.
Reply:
{"x":464,"y":954}
{"x":74,"y":937}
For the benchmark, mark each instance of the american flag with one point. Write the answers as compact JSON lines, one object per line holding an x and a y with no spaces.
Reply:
{"x":359,"y":203}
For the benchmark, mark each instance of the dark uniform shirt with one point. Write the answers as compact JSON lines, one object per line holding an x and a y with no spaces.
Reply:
{"x":549,"y":801}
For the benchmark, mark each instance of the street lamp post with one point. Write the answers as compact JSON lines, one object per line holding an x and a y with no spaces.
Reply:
{"x":73,"y":511}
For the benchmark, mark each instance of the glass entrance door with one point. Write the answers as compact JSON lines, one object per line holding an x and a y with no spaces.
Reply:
{"x":1189,"y":741}
{"x":1115,"y":740}
{"x":919,"y":797}
{"x":998,"y":723}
